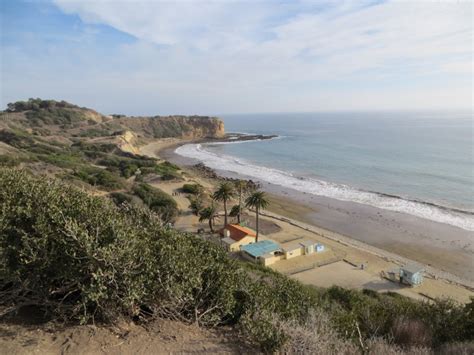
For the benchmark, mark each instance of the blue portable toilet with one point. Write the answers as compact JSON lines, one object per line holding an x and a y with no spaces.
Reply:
{"x":411,"y":275}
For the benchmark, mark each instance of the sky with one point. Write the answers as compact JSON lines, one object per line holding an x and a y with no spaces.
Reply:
{"x":213,"y":57}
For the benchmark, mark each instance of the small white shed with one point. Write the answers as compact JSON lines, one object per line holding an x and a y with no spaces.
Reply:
{"x":308,"y":247}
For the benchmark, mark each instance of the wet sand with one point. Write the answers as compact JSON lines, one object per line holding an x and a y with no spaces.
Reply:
{"x":441,"y":246}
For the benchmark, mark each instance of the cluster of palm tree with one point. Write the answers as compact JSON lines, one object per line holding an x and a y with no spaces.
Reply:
{"x":225,"y":193}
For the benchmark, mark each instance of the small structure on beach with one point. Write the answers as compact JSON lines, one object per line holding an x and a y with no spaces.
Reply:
{"x":411,"y":275}
{"x":306,"y":247}
{"x":293,"y":250}
{"x":319,"y":248}
{"x":265,"y":252}
{"x":235,"y":236}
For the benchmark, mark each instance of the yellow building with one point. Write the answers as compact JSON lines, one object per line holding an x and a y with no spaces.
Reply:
{"x":306,"y":247}
{"x":292,"y":250}
{"x":236,"y":236}
{"x":265,"y":252}
{"x":271,"y":258}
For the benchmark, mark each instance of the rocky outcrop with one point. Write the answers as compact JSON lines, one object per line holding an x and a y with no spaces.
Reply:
{"x":128,"y":142}
{"x":189,"y":127}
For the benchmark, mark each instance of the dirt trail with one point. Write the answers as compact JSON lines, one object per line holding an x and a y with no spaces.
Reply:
{"x":186,"y":220}
{"x":162,"y":337}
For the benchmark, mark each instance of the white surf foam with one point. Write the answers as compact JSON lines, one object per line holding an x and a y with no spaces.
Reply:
{"x":245,"y":141}
{"x":327,"y":189}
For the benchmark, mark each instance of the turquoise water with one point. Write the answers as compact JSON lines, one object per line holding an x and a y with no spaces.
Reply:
{"x":419,"y":163}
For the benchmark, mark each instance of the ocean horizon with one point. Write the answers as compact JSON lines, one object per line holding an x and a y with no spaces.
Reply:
{"x":418,"y":163}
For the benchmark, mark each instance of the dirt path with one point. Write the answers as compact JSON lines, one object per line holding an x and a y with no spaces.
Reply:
{"x":163,"y":337}
{"x":186,"y":220}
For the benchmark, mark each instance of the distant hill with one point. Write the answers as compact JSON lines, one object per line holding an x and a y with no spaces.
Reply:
{"x":51,"y":118}
{"x":97,"y":152}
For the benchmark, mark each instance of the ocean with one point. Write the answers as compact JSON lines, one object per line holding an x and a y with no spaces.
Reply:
{"x":420,"y":163}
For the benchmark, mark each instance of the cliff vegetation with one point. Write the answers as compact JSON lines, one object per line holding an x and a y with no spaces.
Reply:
{"x":81,"y":258}
{"x":48,"y":117}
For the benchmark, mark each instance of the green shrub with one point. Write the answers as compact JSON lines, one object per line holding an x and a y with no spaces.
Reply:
{"x":127,"y":166}
{"x":169,"y":166}
{"x":93,"y":155}
{"x":8,"y":161}
{"x":120,"y":198}
{"x":95,"y":132}
{"x":158,"y":201}
{"x":170,"y":176}
{"x":166,"y":170}
{"x":39,"y":148}
{"x":17,"y":139}
{"x":80,"y":257}
{"x":194,"y":189}
{"x":55,"y":116}
{"x":62,"y":160}
{"x":196,"y":204}
{"x":269,"y":296}
{"x":378,"y":315}
{"x":37,"y":104}
{"x":96,"y":147}
{"x":100,"y":177}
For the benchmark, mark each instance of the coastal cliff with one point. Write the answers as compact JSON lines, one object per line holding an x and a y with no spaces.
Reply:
{"x":53,"y":118}
{"x":188,"y":127}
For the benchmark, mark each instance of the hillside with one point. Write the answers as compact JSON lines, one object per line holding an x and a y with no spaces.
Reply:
{"x":48,"y":118}
{"x":97,"y":152}
{"x":66,"y":255}
{"x":87,"y":237}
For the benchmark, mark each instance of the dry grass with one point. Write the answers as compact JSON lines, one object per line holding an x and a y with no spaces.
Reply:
{"x":411,"y":332}
{"x":317,"y":336}
{"x":380,"y":346}
{"x":456,"y":349}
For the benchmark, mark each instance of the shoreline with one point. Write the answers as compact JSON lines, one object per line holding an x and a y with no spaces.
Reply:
{"x":311,"y":183}
{"x":383,"y":233}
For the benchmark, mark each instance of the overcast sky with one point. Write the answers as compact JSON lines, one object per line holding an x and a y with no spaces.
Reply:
{"x":211,"y":57}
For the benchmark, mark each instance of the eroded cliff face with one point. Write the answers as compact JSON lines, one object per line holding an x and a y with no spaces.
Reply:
{"x":128,"y":142}
{"x":189,"y":127}
{"x":66,"y":123}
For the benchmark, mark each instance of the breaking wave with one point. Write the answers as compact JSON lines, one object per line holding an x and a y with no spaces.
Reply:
{"x":430,"y":211}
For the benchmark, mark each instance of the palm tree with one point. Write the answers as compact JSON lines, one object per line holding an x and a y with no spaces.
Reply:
{"x":258,"y":201}
{"x":209,"y":213}
{"x":224,"y":193}
{"x":242,"y":186}
{"x":235,"y":212}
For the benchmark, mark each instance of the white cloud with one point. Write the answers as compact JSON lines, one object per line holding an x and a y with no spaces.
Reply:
{"x":224,"y":56}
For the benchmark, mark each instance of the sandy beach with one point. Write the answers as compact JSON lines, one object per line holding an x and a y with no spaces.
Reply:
{"x":355,"y":232}
{"x":447,"y":248}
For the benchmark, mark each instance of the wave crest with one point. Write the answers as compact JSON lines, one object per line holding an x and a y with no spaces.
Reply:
{"x":457,"y":218}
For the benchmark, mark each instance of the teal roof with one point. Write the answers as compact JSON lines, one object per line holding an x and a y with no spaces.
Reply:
{"x":260,"y":248}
